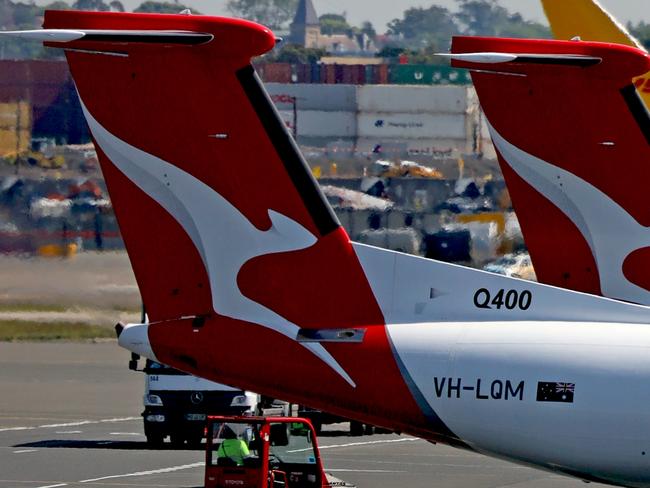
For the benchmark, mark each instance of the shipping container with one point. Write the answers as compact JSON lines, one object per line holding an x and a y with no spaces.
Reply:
{"x":37,"y":81}
{"x":289,"y":119}
{"x":275,"y":72}
{"x":335,"y":98}
{"x":380,"y":74}
{"x":48,"y":71}
{"x":47,"y":85}
{"x":417,"y":99}
{"x":334,"y":146}
{"x":15,"y":115}
{"x":328,"y":73}
{"x":12,"y":140}
{"x":14,"y":73}
{"x":413,"y":125}
{"x":302,"y":73}
{"x":422,"y":74}
{"x":354,"y":74}
{"x":313,"y":123}
{"x":321,"y":124}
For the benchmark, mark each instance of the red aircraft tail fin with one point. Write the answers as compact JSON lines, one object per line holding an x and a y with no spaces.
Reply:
{"x":216,"y":205}
{"x":573,"y":140}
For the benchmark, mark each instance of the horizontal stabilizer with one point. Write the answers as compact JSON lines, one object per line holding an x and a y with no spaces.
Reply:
{"x":497,"y":58}
{"x":97,"y":35}
{"x":536,"y":57}
{"x":331,"y":335}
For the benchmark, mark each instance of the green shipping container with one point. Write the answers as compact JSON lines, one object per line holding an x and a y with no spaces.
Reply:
{"x":426,"y":74}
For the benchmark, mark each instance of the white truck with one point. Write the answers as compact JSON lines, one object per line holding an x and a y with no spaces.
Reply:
{"x":176,"y":404}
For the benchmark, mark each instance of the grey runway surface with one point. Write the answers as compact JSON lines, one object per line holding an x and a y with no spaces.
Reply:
{"x":69,"y":417}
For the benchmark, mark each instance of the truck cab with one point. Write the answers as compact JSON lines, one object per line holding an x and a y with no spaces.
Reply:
{"x":176,"y":404}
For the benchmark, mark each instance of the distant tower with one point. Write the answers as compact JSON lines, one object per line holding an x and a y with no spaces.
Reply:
{"x":305,"y":28}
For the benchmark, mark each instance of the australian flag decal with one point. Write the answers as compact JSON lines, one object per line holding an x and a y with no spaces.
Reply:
{"x":555,"y":391}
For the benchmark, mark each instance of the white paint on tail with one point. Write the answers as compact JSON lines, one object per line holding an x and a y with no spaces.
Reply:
{"x":223,"y":236}
{"x":610,"y":231}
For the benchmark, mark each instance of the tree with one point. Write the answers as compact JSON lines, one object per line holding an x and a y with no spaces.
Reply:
{"x":151,"y":7}
{"x":25,"y":15}
{"x":334,"y":24}
{"x":97,"y":5}
{"x":427,"y":55}
{"x":272,"y":13}
{"x":487,"y":18}
{"x":641,"y":31}
{"x":368,"y":29}
{"x":421,"y":26}
{"x":116,"y":6}
{"x":424,"y":55}
{"x":296,"y":54}
{"x":58,"y":5}
{"x":391,"y":51}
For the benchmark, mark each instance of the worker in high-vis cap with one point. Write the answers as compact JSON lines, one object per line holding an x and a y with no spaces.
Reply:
{"x":232,"y":447}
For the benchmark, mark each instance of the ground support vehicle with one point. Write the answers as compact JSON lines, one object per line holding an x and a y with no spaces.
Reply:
{"x":318,"y":418}
{"x":177,"y":404}
{"x":264,"y":452}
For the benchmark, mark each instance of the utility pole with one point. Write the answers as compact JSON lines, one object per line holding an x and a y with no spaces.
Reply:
{"x":18,"y":124}
{"x":295,"y":118}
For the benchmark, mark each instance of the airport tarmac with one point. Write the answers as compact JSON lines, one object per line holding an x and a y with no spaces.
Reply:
{"x":69,"y":417}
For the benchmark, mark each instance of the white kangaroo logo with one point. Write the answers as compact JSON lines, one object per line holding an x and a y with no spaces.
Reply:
{"x":223,"y":236}
{"x":610,"y":231}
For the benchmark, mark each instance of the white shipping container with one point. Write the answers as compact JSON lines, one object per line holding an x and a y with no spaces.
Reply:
{"x":316,"y":123}
{"x":416,"y":99}
{"x":321,"y":97}
{"x":414,"y":125}
{"x":288,"y":118}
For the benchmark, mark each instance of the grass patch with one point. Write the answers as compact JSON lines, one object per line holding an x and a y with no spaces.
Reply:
{"x":125,"y":309}
{"x":50,"y":307}
{"x":24,"y":330}
{"x":32,"y":307}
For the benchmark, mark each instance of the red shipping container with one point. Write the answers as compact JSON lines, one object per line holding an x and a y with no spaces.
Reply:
{"x":303,"y":73}
{"x":277,"y":73}
{"x":328,"y":73}
{"x":380,"y":74}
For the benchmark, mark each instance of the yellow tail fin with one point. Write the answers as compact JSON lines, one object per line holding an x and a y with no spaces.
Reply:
{"x":591,"y":22}
{"x":586,"y":19}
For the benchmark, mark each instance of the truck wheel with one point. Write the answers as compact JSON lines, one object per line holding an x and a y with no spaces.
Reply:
{"x":318,"y":426}
{"x":369,"y":429}
{"x":356,"y":428}
{"x":194,"y":441}
{"x":177,"y":440}
{"x":155,"y":440}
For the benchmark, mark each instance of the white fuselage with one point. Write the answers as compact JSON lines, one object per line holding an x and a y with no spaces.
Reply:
{"x":482,"y":381}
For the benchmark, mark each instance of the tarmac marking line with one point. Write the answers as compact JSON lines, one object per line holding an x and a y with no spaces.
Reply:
{"x":53,"y":486}
{"x":171,"y":469}
{"x":125,"y":433}
{"x":342,"y":470}
{"x":367,"y":443}
{"x":25,"y":450}
{"x":70,"y":424}
{"x":69,"y":432}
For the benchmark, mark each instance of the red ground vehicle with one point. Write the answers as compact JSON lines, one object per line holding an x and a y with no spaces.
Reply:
{"x":264,"y":452}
